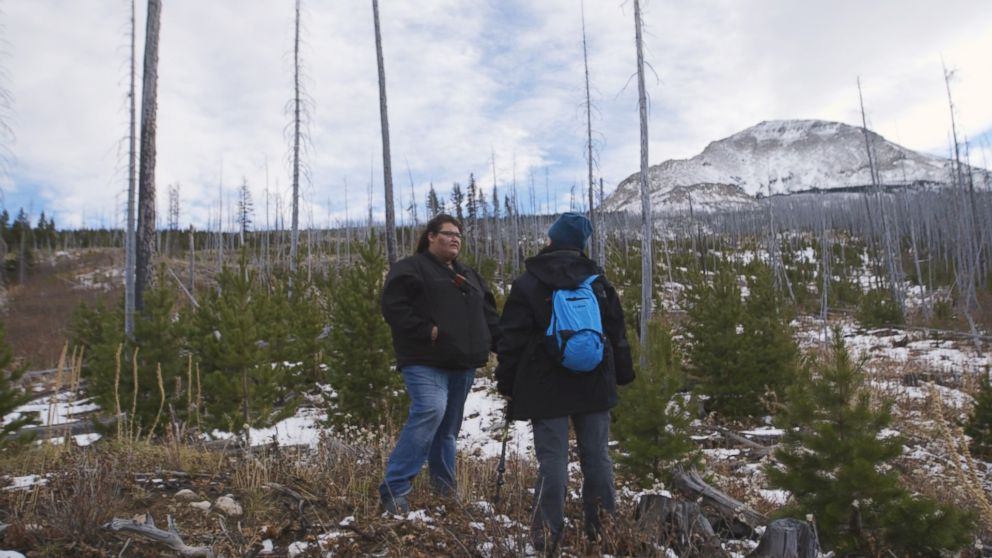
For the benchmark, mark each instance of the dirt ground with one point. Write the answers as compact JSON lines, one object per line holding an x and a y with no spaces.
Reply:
{"x":36,"y":313}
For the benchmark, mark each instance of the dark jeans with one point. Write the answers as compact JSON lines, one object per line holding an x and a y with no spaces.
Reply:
{"x":437,"y":401}
{"x":592,"y":432}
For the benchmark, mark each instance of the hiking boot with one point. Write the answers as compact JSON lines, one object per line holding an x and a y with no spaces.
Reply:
{"x":395,"y":505}
{"x":594,"y":532}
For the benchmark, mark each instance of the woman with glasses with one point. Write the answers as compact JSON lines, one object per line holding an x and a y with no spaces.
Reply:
{"x":444,"y":324}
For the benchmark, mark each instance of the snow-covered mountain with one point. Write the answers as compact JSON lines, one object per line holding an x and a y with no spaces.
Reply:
{"x":777,"y":156}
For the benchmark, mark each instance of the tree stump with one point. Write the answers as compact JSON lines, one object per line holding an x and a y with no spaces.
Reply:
{"x":787,"y":538}
{"x":678,"y":525}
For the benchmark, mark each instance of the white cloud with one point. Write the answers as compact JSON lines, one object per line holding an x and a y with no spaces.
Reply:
{"x":465,"y":79}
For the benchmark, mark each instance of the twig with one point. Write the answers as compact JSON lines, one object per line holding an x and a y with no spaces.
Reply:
{"x":182,"y":287}
{"x":459,"y":541}
{"x":169,"y":538}
{"x":758,"y":449}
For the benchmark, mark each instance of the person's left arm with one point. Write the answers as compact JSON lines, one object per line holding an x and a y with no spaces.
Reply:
{"x":491,"y":314}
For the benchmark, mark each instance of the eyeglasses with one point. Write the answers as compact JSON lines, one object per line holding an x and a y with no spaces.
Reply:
{"x":451,"y":234}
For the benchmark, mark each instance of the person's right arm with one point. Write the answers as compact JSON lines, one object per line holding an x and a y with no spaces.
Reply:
{"x":400,"y":291}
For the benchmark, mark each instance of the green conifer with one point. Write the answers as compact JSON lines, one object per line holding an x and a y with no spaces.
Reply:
{"x":836,"y":463}
{"x":158,"y":339}
{"x":241,"y":387}
{"x":652,"y":418}
{"x":979,"y":426}
{"x":769,"y":352}
{"x":715,"y":314}
{"x":11,"y":396}
{"x":368,"y":389}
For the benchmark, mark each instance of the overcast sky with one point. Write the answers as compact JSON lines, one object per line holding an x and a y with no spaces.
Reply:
{"x":465,"y":79}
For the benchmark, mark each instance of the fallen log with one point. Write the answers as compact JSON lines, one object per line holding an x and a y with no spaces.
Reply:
{"x":693,"y":486}
{"x":758,"y":450}
{"x":169,"y":538}
{"x":787,"y":538}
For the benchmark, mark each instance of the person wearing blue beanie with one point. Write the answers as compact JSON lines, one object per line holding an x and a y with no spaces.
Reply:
{"x":570,"y":230}
{"x":555,"y":399}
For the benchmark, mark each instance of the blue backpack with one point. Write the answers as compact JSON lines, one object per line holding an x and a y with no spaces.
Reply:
{"x":575,"y":334}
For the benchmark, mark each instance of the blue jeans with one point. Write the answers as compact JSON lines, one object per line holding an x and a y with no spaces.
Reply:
{"x":592,"y":433}
{"x":437,"y":401}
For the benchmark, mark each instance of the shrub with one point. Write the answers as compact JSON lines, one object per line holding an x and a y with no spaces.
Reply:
{"x":877,"y":309}
{"x":837,"y":466}
{"x":653,"y":418}
{"x":11,"y":397}
{"x":979,"y":426}
{"x":158,"y":339}
{"x":368,"y":389}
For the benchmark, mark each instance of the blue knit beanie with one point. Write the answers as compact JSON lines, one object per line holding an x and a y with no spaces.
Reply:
{"x":571,"y":229}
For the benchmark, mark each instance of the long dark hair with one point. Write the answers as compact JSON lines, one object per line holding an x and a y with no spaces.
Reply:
{"x":434,"y":227}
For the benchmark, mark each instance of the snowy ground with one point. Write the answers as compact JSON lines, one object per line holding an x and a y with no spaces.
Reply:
{"x":480,"y":435}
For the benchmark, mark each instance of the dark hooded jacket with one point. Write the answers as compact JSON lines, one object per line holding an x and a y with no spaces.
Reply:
{"x":420,"y":292}
{"x":540,"y":387}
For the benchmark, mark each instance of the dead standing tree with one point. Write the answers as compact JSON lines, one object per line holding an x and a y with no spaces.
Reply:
{"x":647,"y":227}
{"x":299,"y":111}
{"x":145,"y":241}
{"x":132,"y":163}
{"x":387,"y":167}
{"x":895,"y":279}
{"x":594,"y":245}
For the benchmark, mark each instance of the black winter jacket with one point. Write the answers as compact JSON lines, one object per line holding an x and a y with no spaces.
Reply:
{"x":541,"y":388}
{"x":420,"y":292}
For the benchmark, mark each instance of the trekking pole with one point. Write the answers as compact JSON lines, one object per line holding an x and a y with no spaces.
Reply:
{"x":501,"y":468}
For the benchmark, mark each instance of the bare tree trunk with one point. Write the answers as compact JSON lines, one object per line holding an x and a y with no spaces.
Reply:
{"x":146,"y":178}
{"x":132,"y":171}
{"x":895,"y":281}
{"x":647,"y":226}
{"x":594,"y":247}
{"x":387,"y":167}
{"x":192,"y":261}
{"x":220,"y":220}
{"x":295,"y":236}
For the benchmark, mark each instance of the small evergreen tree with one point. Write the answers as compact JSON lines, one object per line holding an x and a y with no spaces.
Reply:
{"x":623,"y":267}
{"x":878,"y":310}
{"x":434,"y":204}
{"x":652,"y":419}
{"x":835,"y":463}
{"x":241,"y":387}
{"x":743,"y":352}
{"x":458,"y":202}
{"x":290,"y":323}
{"x":11,"y":397}
{"x":158,"y":339}
{"x":979,"y":426}
{"x":715,"y":313}
{"x":769,"y":353}
{"x":368,"y":390}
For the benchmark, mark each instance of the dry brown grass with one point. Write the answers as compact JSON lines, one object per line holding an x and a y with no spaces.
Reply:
{"x":37,"y":312}
{"x":288,"y":495}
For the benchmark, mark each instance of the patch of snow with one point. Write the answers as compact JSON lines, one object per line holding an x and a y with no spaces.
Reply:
{"x":722,"y":453}
{"x":419,"y":515}
{"x":297,"y":548}
{"x":26,"y":482}
{"x":768,"y":431}
{"x":777,"y":497}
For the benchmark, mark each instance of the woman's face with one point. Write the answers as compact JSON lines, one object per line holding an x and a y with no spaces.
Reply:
{"x":446,"y":243}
